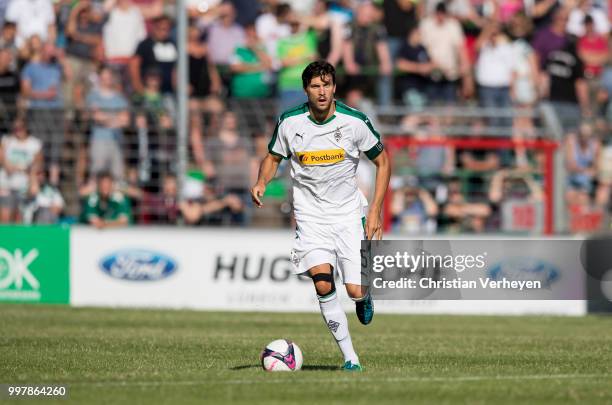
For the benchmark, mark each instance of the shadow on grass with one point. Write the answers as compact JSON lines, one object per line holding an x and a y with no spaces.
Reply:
{"x":304,"y":368}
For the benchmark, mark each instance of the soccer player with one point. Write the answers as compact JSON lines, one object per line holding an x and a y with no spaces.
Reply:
{"x":323,"y":139}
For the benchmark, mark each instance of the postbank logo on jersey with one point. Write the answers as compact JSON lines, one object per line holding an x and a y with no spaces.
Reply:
{"x":321,"y":157}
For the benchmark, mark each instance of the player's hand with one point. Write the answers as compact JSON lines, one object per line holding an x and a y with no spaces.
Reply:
{"x":373,"y":225}
{"x":257,"y":193}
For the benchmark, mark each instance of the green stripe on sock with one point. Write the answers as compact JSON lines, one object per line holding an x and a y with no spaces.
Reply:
{"x":327,"y":297}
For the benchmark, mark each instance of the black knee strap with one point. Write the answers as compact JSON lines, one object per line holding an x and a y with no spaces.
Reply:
{"x":323,"y":277}
{"x":327,"y":277}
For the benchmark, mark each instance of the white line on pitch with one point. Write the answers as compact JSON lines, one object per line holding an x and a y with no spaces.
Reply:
{"x":358,"y":378}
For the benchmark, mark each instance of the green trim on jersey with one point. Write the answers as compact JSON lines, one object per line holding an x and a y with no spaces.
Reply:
{"x":376,"y":149}
{"x":363,"y":225}
{"x":297,"y":110}
{"x":321,"y":123}
{"x":345,"y":109}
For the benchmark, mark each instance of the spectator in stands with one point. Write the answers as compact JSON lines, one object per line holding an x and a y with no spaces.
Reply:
{"x":366,"y":55}
{"x":9,"y":89}
{"x":400,"y":17}
{"x":251,"y":67}
{"x":157,"y":51}
{"x":161,"y":208}
{"x":432,"y":163}
{"x":200,"y":205}
{"x":3,"y":6}
{"x":551,"y":38}
{"x":20,"y":156}
{"x":444,"y":40}
{"x":41,"y":87}
{"x":462,"y":215}
{"x":329,"y":32}
{"x":576,"y":21}
{"x":150,"y":10}
{"x":271,"y":26}
{"x":106,"y":207}
{"x":294,"y":52}
{"x":45,"y":201}
{"x":156,"y":139}
{"x":524,"y":85}
{"x":567,"y":88}
{"x":204,"y":80}
{"x":413,"y":209}
{"x":543,"y":12}
{"x":509,"y":8}
{"x":415,"y":69}
{"x":7,"y":41}
{"x":231,"y":158}
{"x":512,"y":186}
{"x":84,"y":49}
{"x":593,"y":52}
{"x":123,"y":30}
{"x":62,"y":13}
{"x":525,"y":70}
{"x":581,"y":154}
{"x":246,"y":11}
{"x":109,"y":112}
{"x":592,"y":49}
{"x":252,"y":80}
{"x":224,"y":35}
{"x":32,"y":17}
{"x":131,"y":189}
{"x":494,"y":70}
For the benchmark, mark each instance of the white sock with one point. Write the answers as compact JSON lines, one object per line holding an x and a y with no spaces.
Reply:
{"x":362,"y":298}
{"x":336,"y":322}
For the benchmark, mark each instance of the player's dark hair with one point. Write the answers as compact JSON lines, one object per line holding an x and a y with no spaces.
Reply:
{"x":319,"y":68}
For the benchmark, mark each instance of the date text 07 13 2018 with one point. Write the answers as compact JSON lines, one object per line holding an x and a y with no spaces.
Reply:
{"x":33,"y":391}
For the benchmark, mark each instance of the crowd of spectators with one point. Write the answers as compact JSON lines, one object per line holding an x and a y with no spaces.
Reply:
{"x":97,"y":75}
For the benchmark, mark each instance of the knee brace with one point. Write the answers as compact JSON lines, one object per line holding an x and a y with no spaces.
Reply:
{"x":325,"y":277}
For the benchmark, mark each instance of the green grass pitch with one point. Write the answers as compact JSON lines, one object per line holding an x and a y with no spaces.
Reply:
{"x":112,"y":356}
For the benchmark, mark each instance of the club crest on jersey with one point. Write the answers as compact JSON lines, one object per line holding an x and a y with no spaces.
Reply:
{"x":337,"y":135}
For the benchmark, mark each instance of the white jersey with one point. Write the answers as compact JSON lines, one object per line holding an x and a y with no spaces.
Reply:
{"x":324,"y":158}
{"x":20,"y":154}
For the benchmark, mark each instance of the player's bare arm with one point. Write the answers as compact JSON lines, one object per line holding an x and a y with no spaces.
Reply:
{"x":374,"y":219}
{"x":267,"y":171}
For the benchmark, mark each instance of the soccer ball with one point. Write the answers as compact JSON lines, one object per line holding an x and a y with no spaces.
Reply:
{"x":281,"y":355}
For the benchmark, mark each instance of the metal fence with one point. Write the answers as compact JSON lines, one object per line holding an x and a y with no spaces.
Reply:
{"x":227,"y":141}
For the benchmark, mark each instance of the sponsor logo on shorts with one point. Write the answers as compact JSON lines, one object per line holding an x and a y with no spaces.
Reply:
{"x":321,"y":157}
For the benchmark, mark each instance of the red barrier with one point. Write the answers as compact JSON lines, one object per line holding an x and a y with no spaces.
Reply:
{"x":549,"y":147}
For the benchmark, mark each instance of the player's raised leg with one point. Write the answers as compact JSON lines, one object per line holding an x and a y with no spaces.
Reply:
{"x":364,"y":306}
{"x":333,"y":314}
{"x":347,"y":238}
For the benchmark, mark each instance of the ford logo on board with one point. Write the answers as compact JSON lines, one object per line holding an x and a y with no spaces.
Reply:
{"x":138,"y":265}
{"x":525,"y":269}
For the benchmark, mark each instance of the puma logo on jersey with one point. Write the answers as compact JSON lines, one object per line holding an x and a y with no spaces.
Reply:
{"x":321,"y":157}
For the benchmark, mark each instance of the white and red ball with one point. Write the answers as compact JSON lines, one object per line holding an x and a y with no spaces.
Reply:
{"x":281,"y":355}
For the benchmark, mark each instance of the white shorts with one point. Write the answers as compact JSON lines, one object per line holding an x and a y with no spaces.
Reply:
{"x":336,"y":244}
